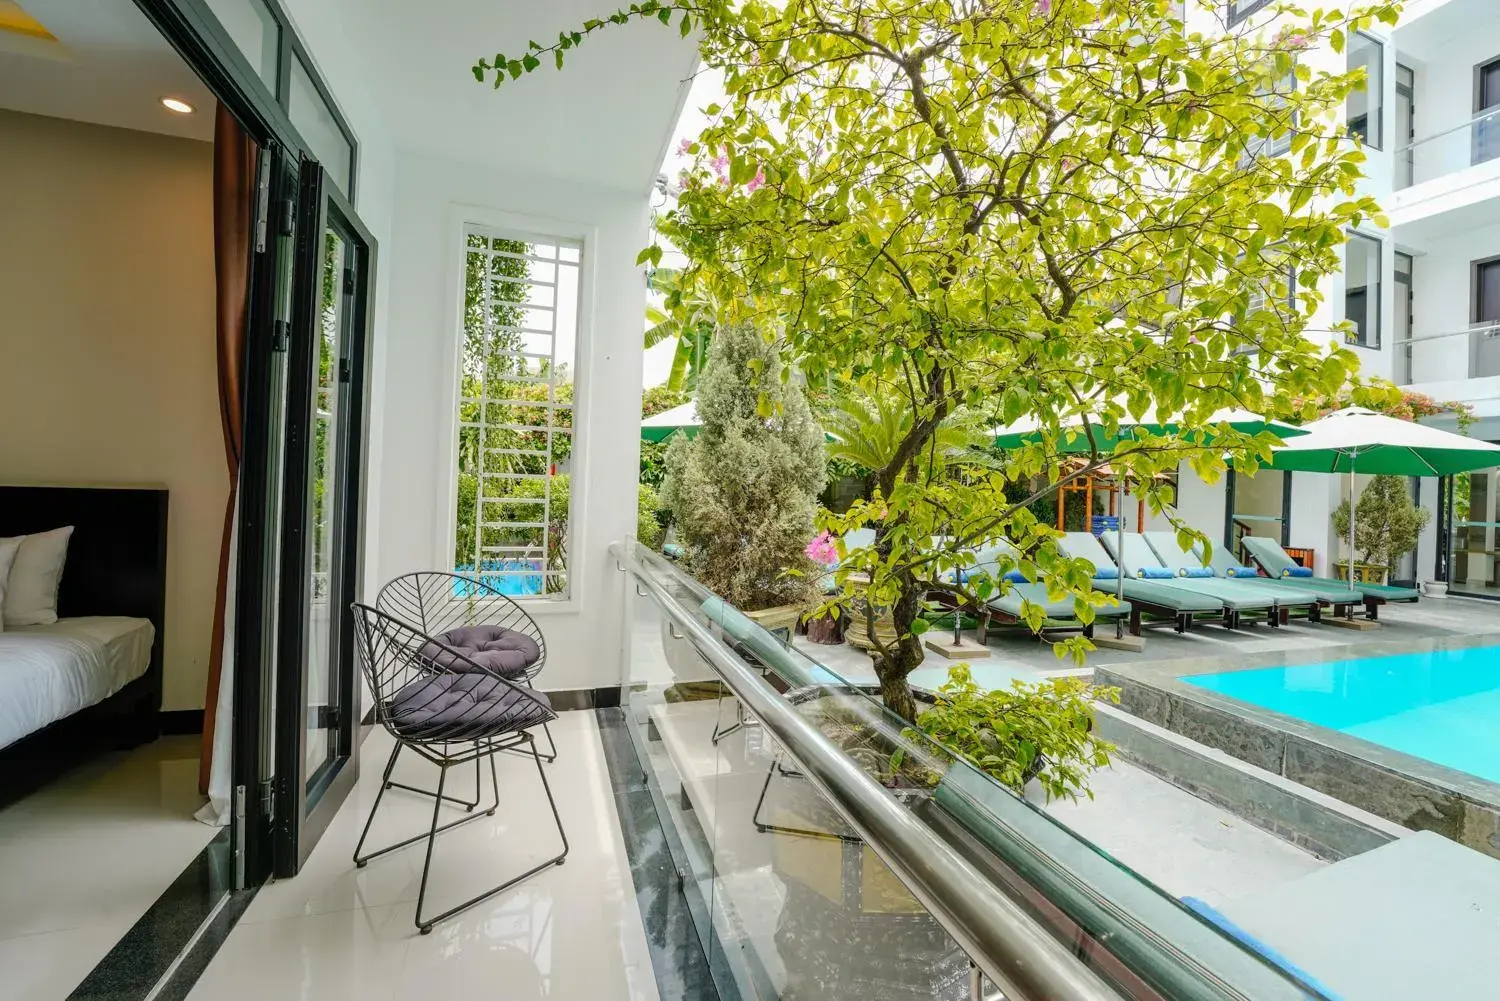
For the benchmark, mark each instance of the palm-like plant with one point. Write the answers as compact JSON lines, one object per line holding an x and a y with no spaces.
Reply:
{"x":867,"y":430}
{"x":688,"y":317}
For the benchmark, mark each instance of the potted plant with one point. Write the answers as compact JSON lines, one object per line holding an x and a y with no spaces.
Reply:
{"x":1387,"y":526}
{"x":743,"y":491}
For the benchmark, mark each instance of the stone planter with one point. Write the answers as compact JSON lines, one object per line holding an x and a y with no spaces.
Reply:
{"x":780,"y":617}
{"x":1364,"y":573}
{"x":1434,"y":588}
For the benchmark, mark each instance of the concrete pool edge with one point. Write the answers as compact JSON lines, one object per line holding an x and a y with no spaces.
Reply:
{"x":1405,"y":790}
{"x":1313,"y":821}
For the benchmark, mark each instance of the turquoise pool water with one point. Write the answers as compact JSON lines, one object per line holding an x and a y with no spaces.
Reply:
{"x":1443,"y":705}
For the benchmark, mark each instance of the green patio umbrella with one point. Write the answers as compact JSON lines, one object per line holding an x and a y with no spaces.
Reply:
{"x":1028,"y":429}
{"x":660,"y":427}
{"x":1356,"y":440}
{"x":684,"y":419}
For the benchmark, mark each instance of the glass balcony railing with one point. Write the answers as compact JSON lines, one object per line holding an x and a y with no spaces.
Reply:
{"x":814,"y":867}
{"x":1450,"y":151}
{"x":1456,"y":354}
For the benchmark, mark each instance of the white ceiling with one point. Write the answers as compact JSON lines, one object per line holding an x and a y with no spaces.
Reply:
{"x":109,"y":66}
{"x":605,"y":119}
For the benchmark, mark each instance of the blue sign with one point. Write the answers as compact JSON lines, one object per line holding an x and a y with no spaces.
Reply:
{"x":1105,"y":523}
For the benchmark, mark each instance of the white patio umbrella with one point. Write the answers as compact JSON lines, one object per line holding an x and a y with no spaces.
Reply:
{"x":1356,"y":440}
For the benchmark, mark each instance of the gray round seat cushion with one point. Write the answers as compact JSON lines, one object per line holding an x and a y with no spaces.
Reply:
{"x":504,"y":651}
{"x":456,"y":707}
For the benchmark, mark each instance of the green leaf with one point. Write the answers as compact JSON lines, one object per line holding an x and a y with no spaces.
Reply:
{"x":515,"y":68}
{"x":530,"y":63}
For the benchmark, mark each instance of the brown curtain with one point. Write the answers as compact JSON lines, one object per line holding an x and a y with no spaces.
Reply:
{"x":234,"y":213}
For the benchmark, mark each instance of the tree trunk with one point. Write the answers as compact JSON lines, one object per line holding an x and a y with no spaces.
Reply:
{"x":895,"y":692}
{"x":903,"y":656}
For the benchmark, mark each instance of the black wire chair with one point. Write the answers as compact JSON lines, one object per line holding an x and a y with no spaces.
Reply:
{"x":451,"y":711}
{"x":440,"y":603}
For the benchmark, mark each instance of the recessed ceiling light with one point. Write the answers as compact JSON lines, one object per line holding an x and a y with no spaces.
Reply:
{"x":177,"y":104}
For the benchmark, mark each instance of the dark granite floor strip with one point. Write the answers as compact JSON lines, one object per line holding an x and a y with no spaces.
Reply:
{"x":131,"y":970}
{"x":677,"y":958}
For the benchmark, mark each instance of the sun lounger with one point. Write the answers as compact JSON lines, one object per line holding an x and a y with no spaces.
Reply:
{"x":1007,"y":608}
{"x":1140,"y":561}
{"x":1271,"y":558}
{"x":1332,"y":593}
{"x":1189,"y":563}
{"x":1156,"y":597}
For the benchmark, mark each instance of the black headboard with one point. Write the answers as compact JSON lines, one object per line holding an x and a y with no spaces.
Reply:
{"x":117,"y":557}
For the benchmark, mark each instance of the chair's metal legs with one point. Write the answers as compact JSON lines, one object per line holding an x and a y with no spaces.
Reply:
{"x":551,"y":756}
{"x":425,"y":925}
{"x":803,"y":832}
{"x":385,"y":783}
{"x":361,"y":861}
{"x":466,"y":804}
{"x":485,"y":749}
{"x":741,"y":721}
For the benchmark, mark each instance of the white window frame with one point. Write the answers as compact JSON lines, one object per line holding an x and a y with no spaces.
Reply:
{"x":517,"y":226}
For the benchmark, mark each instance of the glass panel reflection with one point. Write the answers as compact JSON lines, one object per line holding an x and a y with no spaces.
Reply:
{"x":322,"y":679}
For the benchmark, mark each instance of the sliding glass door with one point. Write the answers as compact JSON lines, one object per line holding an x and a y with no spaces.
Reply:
{"x":1474,"y":520}
{"x":317,"y":703}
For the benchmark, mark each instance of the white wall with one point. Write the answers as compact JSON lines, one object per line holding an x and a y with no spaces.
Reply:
{"x":1201,"y":504}
{"x":108,"y":370}
{"x":433,"y":198}
{"x":1441,"y":297}
{"x":1314,"y":496}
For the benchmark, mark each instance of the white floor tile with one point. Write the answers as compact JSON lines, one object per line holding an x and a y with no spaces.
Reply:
{"x":83,"y":858}
{"x":47,"y":967}
{"x":570,"y":931}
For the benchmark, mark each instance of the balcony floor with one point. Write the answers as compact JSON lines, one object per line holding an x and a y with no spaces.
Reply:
{"x":337,"y":932}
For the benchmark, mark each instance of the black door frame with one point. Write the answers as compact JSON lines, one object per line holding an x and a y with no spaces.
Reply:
{"x":305,"y":808}
{"x":192,"y":30}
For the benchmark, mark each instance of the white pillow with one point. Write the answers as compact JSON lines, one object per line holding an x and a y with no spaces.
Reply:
{"x":31,"y":594}
{"x":8,"y":549}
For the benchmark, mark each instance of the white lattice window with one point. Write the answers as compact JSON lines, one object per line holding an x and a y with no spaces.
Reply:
{"x":519,"y":332}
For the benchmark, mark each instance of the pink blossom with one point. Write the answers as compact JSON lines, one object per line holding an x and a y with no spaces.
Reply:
{"x":1067,"y":164}
{"x":1295,"y":39}
{"x":757,"y":181}
{"x":1043,"y":7}
{"x":685,"y":147}
{"x":822,"y":549}
{"x":1192,"y":338}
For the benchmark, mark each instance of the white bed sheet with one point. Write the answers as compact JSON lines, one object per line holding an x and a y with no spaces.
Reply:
{"x":50,"y":672}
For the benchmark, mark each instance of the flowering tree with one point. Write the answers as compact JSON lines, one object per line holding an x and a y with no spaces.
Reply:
{"x":1067,"y":209}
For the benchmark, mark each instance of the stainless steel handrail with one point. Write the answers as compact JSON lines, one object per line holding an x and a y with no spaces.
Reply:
{"x":1013,"y":950}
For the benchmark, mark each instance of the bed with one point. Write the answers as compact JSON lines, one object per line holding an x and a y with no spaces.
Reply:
{"x":91,"y":681}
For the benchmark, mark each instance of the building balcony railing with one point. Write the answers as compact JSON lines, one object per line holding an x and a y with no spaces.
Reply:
{"x":1456,"y":354}
{"x":1459,"y":148}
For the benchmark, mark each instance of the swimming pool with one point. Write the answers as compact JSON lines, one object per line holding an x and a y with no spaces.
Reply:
{"x":1442,"y":705}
